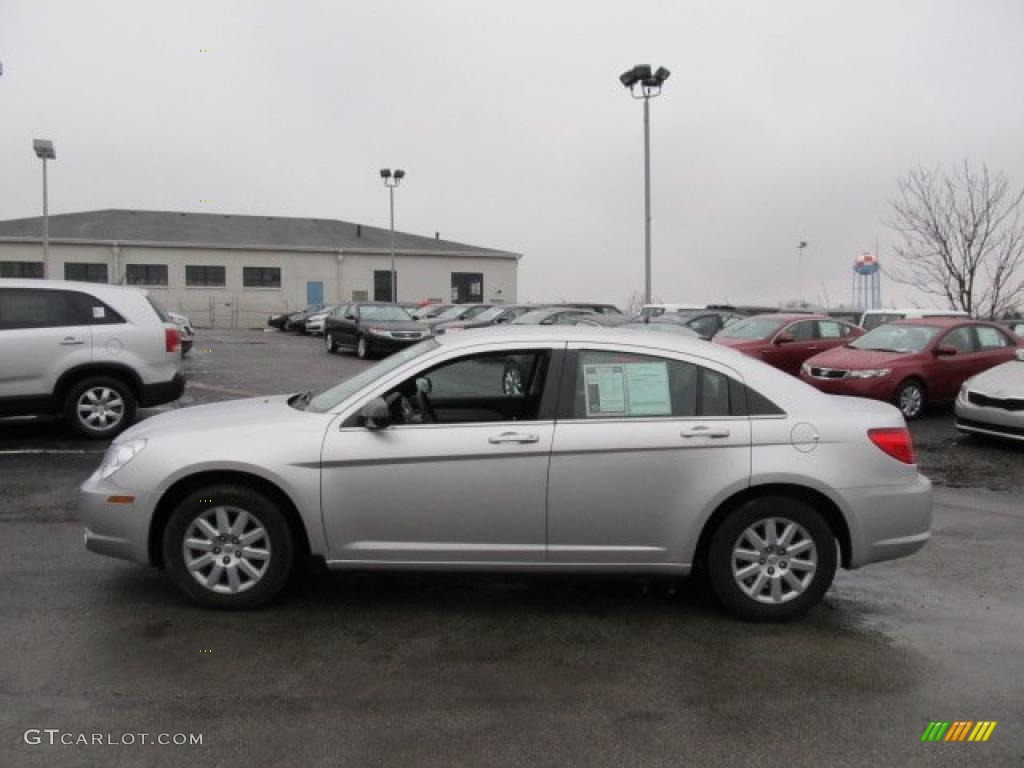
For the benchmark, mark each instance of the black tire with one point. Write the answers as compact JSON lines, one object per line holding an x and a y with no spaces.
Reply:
{"x":362,"y":347}
{"x":275,"y":540}
{"x":329,"y":342}
{"x":727,"y":535}
{"x":911,"y":399}
{"x":80,"y":420}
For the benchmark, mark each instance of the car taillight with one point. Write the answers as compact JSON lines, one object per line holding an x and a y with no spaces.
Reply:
{"x":894,"y":441}
{"x":172,"y":339}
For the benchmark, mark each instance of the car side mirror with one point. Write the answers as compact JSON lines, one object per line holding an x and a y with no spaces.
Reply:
{"x":376,"y":414}
{"x":944,"y":350}
{"x":784,"y":338}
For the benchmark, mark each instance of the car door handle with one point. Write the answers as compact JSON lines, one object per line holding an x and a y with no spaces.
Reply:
{"x":702,"y":431}
{"x":513,"y":437}
{"x":70,"y":341}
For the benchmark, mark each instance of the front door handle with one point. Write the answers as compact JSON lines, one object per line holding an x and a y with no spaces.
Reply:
{"x":703,"y":431}
{"x":513,"y":437}
{"x":70,"y":341}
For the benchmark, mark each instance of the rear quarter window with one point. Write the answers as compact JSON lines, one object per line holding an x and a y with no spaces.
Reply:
{"x":160,"y":311}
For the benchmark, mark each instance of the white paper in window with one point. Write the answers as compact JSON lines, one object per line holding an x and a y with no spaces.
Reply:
{"x":99,"y":313}
{"x":605,"y":390}
{"x":647,"y":389}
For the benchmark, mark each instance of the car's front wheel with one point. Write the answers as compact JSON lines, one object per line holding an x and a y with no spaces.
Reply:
{"x":362,"y":348}
{"x":329,"y":342}
{"x":100,"y":407}
{"x":772,"y":559}
{"x":227,"y":546}
{"x":910,"y":399}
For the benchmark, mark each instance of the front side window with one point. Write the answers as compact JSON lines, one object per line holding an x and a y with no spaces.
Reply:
{"x":991,"y":338}
{"x":625,"y":385}
{"x":209,"y":277}
{"x":33,"y":269}
{"x":805,"y":330}
{"x":959,"y":339}
{"x":85,"y":273}
{"x":261,"y":277}
{"x":146,"y":274}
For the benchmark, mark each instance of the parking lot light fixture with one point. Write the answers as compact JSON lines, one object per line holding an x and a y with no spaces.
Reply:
{"x":392,"y":180}
{"x":644,"y":84}
{"x":44,"y":151}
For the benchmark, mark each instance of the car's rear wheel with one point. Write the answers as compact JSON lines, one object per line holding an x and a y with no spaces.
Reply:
{"x":100,"y":407}
{"x":227,"y":546}
{"x":910,"y":399}
{"x":772,"y":559}
{"x":329,"y":342}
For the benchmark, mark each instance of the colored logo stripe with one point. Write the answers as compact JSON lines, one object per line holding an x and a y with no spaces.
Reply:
{"x":958,"y":730}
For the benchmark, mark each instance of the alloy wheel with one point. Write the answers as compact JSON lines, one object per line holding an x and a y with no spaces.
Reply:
{"x":100,"y":408}
{"x":774,"y":560}
{"x":911,"y":401}
{"x":226,"y":549}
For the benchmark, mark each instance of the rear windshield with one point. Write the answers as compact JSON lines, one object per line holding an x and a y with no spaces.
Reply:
{"x":160,"y":311}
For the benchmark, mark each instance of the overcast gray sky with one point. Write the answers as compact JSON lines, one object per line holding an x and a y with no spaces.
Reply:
{"x":782,"y":121}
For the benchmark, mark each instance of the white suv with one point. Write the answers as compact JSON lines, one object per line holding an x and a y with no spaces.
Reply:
{"x":90,"y":351}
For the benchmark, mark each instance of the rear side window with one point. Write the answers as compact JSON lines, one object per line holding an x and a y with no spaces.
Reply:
{"x":832,"y":329}
{"x":92,"y":310}
{"x":30,"y":308}
{"x":991,"y":338}
{"x":624,"y":385}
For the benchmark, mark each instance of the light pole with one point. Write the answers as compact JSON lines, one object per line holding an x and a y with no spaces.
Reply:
{"x":800,"y":270}
{"x":44,"y":151}
{"x":642,"y":84}
{"x":392,"y":180}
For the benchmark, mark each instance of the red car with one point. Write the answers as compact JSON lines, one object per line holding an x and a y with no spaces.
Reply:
{"x":785,"y":341}
{"x":911,"y":363}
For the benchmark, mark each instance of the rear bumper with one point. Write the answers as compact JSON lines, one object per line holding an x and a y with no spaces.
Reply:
{"x":162,"y":392}
{"x":888,"y":522}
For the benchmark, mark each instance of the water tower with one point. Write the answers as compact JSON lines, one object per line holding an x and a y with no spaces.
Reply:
{"x":867,"y":282}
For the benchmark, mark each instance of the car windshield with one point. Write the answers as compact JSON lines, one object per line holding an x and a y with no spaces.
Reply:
{"x":752,"y":328}
{"x":383,"y":312}
{"x":428,"y":310}
{"x":897,"y":338}
{"x":673,"y":328}
{"x":452,"y":313}
{"x":533,"y":317}
{"x":474,"y":312}
{"x":333,"y":397}
{"x":491,"y":313}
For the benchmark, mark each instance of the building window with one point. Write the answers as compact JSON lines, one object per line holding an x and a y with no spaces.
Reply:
{"x":382,"y":285}
{"x":204,"y":276}
{"x":261,"y":277}
{"x":146,"y":274}
{"x":21,"y":269}
{"x":467,"y":287}
{"x":358,"y":295}
{"x":85,"y":273}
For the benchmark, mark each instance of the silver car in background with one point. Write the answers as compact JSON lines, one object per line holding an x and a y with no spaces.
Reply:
{"x":992,"y":403}
{"x":522,"y":448}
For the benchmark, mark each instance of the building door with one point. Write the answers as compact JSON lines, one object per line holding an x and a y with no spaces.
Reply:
{"x":382,"y":285}
{"x":315,"y":292}
{"x":467,"y":287}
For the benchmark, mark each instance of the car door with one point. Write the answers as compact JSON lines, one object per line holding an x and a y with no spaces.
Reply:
{"x":645,"y":444}
{"x":42,"y":334}
{"x":788,"y":355}
{"x":949,"y":371}
{"x":468,"y":487}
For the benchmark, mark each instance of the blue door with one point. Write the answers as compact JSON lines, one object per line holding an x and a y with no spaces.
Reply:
{"x":315,"y":292}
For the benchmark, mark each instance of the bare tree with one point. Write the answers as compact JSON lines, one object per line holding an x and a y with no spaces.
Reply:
{"x":962,"y":238}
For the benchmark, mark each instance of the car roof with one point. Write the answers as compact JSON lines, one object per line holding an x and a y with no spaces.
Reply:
{"x":942,"y":322}
{"x":68,"y":285}
{"x":788,"y":316}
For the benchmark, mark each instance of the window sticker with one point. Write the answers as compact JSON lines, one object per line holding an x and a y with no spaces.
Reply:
{"x":629,"y":389}
{"x":99,"y":313}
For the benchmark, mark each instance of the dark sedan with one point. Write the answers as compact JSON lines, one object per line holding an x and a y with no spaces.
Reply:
{"x":297,"y":320}
{"x":371,"y":329}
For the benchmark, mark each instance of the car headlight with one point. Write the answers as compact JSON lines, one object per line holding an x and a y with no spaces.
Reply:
{"x":869,"y":373}
{"x":377,"y":331}
{"x":963,"y":391}
{"x":118,"y":455}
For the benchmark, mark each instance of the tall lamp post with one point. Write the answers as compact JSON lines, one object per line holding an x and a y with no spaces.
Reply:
{"x":44,"y":151}
{"x":643,"y":84}
{"x":392,"y":180}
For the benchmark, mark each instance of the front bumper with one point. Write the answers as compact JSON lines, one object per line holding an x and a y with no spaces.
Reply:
{"x":887,"y":522}
{"x":388,"y":345}
{"x":881,"y":388}
{"x":115,"y":528}
{"x":985,"y":420}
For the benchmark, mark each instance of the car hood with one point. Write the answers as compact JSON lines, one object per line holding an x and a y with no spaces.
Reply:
{"x":1003,"y":381}
{"x":395,"y":325}
{"x":263,"y":413}
{"x":850,"y":358}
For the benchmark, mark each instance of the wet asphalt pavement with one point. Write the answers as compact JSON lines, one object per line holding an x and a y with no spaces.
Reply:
{"x":401,"y":669}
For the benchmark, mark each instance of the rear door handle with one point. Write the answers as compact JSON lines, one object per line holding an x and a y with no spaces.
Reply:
{"x":513,"y":437}
{"x":702,"y":431}
{"x":70,"y":341}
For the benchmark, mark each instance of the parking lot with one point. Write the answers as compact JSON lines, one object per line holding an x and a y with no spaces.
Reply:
{"x":400,"y":669}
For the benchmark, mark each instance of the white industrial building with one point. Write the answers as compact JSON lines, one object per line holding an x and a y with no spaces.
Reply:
{"x":229,"y":271}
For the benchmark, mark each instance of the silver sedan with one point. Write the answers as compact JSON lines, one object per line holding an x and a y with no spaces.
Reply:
{"x":523,"y":449}
{"x":992,"y":403}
